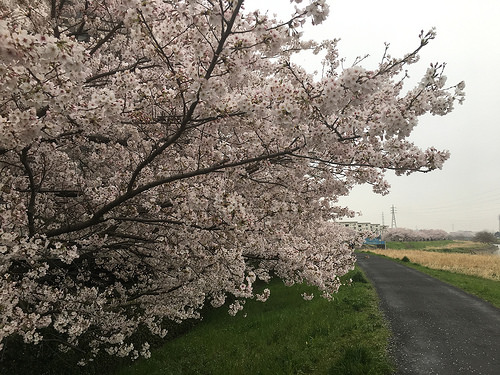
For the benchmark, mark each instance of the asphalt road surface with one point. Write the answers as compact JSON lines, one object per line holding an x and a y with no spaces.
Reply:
{"x":437,"y":329}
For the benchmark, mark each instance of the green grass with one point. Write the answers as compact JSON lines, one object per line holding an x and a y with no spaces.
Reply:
{"x":488,"y":290}
{"x":285,"y":335}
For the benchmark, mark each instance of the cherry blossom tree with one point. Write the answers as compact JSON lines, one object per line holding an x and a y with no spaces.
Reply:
{"x":433,"y":234}
{"x":405,"y":234}
{"x":159,"y":155}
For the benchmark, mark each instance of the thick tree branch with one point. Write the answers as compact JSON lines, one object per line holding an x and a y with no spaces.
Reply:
{"x":98,"y":216}
{"x":165,"y":221}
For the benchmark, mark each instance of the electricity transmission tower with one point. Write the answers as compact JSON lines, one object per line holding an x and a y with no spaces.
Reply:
{"x":393,"y":221}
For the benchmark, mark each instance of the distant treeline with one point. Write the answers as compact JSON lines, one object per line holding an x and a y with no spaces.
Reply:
{"x":404,"y":234}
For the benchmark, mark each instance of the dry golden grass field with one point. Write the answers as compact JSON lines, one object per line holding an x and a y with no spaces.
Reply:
{"x":482,"y":265}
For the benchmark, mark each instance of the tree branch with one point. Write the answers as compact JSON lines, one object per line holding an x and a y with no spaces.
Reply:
{"x":353,"y":164}
{"x":189,"y":113}
{"x":99,"y":214}
{"x":111,"y":72}
{"x":32,"y":190}
{"x":106,"y":38}
{"x":165,"y":221}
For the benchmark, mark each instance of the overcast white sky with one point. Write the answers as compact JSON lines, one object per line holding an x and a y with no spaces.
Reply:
{"x":465,"y":195}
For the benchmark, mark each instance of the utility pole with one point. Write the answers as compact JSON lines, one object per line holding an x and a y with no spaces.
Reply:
{"x":393,"y":212}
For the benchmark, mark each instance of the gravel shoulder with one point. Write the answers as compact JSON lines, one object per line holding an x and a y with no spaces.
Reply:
{"x":437,"y":328}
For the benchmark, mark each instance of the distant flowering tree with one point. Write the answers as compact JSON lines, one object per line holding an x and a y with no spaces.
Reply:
{"x":157,"y":155}
{"x":434,"y":234}
{"x":404,"y":234}
{"x":397,"y":234}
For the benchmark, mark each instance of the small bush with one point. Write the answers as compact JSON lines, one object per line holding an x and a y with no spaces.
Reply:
{"x":405,"y":259}
{"x":358,"y":277}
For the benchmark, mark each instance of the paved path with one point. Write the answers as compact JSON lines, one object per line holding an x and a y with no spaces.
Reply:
{"x":437,"y":329}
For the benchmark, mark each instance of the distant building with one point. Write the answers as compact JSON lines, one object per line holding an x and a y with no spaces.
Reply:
{"x":376,"y":229}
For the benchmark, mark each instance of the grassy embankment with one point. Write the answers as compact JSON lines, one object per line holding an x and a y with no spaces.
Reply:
{"x":467,"y":265}
{"x":444,"y":246}
{"x":285,"y":335}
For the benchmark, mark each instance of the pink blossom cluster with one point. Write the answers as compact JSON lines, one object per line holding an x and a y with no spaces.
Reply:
{"x":156,"y":156}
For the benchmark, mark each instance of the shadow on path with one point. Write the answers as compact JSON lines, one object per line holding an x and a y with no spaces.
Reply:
{"x":437,"y":328}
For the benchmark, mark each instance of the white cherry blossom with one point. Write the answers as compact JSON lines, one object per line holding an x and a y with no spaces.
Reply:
{"x":157,"y":156}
